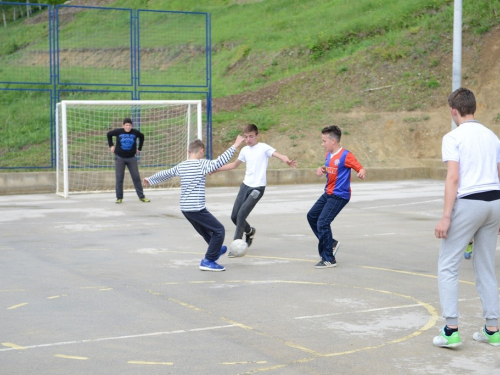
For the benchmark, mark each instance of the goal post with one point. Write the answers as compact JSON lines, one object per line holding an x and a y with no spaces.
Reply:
{"x":84,"y":163}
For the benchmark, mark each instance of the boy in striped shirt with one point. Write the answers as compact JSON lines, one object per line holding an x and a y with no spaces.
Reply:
{"x":337,"y":168}
{"x":193,"y":172}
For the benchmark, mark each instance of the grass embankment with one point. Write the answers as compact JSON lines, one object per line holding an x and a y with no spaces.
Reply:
{"x":320,"y":56}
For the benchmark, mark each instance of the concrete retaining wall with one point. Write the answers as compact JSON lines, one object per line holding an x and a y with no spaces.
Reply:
{"x":45,"y":182}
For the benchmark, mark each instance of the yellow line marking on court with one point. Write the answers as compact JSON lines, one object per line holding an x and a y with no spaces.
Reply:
{"x":202,"y":282}
{"x":192,"y":307}
{"x":53,"y":297}
{"x":16,"y":306}
{"x":412,"y":273}
{"x":6,"y":248}
{"x":430,"y":323}
{"x":237,"y":324}
{"x":150,"y":363}
{"x":13,"y":346}
{"x":92,"y":287}
{"x":70,"y":357}
{"x":302,"y":348}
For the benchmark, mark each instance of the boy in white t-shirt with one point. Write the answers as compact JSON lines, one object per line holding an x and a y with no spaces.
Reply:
{"x":471,"y":210}
{"x":256,"y":156}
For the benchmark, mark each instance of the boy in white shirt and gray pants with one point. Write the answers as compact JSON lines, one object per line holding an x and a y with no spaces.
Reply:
{"x":471,"y":209}
{"x":256,"y":155}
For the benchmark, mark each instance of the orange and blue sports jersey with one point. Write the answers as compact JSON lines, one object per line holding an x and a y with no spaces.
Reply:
{"x":338,"y":173}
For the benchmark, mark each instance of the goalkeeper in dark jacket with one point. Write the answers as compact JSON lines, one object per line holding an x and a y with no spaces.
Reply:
{"x":125,"y":151}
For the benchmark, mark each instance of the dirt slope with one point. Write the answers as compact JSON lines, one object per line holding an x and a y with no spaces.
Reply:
{"x":382,"y":138}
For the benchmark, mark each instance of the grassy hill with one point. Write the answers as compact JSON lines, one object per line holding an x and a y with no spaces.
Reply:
{"x":294,"y":66}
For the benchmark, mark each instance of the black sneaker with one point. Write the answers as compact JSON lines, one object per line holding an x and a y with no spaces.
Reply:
{"x":326,"y":264}
{"x":336,"y":245}
{"x":249,"y":236}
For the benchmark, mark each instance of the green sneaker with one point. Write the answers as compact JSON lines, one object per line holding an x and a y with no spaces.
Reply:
{"x":119,"y":200}
{"x":145,"y":200}
{"x":468,"y":251}
{"x":482,"y":336}
{"x":444,"y":341}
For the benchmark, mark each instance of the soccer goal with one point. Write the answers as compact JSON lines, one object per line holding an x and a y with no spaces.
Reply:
{"x":84,"y":163}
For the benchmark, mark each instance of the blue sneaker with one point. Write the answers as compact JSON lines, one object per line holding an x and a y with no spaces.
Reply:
{"x":210,"y":265}
{"x":223,"y":250}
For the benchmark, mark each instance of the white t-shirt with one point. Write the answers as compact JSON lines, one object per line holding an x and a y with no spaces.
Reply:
{"x":256,"y":159}
{"x":477,"y":150}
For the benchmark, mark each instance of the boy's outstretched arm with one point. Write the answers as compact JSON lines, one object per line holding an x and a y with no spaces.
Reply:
{"x":229,"y":166}
{"x":237,"y":143}
{"x":291,"y":163}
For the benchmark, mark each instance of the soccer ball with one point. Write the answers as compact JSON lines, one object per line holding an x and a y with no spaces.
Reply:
{"x":238,"y":248}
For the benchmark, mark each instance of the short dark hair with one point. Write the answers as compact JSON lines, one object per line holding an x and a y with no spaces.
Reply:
{"x":463,"y":100}
{"x":333,"y":131}
{"x":196,"y":146}
{"x":251,"y":128}
{"x":126,"y":120}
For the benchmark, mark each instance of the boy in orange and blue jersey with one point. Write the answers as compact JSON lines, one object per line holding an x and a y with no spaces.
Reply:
{"x":337,"y":168}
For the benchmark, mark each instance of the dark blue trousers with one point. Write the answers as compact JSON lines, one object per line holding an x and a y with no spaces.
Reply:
{"x":209,"y":228}
{"x":320,"y":217}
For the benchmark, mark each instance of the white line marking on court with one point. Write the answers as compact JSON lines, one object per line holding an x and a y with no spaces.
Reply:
{"x":13,"y":346}
{"x":361,"y":311}
{"x":121,"y":337}
{"x":402,"y":204}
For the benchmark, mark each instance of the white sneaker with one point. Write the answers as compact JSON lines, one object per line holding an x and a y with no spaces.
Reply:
{"x":444,"y":341}
{"x":482,"y":336}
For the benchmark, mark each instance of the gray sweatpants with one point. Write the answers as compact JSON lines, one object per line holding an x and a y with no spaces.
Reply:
{"x":131,"y":164}
{"x":245,"y":202}
{"x":481,"y":220}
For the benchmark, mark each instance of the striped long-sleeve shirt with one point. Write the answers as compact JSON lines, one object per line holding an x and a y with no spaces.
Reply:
{"x":192,"y":173}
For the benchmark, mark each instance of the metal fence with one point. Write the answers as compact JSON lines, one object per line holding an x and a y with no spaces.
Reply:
{"x":51,"y":53}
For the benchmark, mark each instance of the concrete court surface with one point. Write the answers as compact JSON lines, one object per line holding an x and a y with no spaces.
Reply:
{"x":91,"y":287}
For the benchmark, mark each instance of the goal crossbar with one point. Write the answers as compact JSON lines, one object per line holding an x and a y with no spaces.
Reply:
{"x":83,"y":160}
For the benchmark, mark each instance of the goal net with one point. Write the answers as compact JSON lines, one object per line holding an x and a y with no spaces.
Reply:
{"x":84,"y":163}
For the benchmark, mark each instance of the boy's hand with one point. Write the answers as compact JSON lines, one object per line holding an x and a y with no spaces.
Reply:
{"x":441,"y":230}
{"x":362,"y":174}
{"x":321,"y":171}
{"x":145,"y":182}
{"x":292,"y":163}
{"x":239,"y":140}
{"x":112,"y":149}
